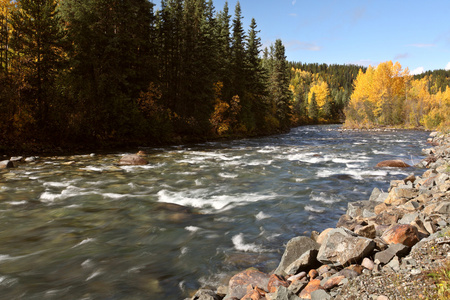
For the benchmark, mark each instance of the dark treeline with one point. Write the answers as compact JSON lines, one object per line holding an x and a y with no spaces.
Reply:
{"x":117,"y":72}
{"x":439,"y":79}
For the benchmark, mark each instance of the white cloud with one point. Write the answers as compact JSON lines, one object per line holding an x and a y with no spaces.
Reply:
{"x":447,"y":67}
{"x":417,"y":71}
{"x":294,"y":1}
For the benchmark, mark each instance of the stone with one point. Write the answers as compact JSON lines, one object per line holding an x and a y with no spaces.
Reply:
{"x":205,"y":294}
{"x":386,"y":218}
{"x":133,"y":160}
{"x":282,"y":293}
{"x":384,"y":257}
{"x":380,"y":208}
{"x":297,"y":277}
{"x":398,"y":193}
{"x":410,"y":206}
{"x":297,"y":286}
{"x":320,"y":295}
{"x":429,"y":227}
{"x":357,"y":268}
{"x":312,"y":286}
{"x":401,"y":234}
{"x":347,"y":273}
{"x":376,"y":192}
{"x":443,"y":208}
{"x":276,"y":281}
{"x":313,"y":273}
{"x":392,"y":164}
{"x":347,"y":222}
{"x":323,"y":269}
{"x":367,"y":231}
{"x":408,"y":218}
{"x":331,"y":282}
{"x":237,"y":286}
{"x":411,"y":178}
{"x":30,"y":159}
{"x":253,"y":294}
{"x":394,"y":264}
{"x":355,"y":209}
{"x":6,"y":164}
{"x":343,"y":247}
{"x":367,"y":263}
{"x":294,"y":250}
{"x":323,"y":235}
{"x":305,"y":262}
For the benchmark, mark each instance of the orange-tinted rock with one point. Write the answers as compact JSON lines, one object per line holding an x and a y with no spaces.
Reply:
{"x":274,"y":282}
{"x":333,"y":282}
{"x":312,"y":286}
{"x":401,"y":234}
{"x":253,"y":294}
{"x":133,"y":160}
{"x":313,"y":273}
{"x":237,"y":286}
{"x":392,"y":164}
{"x":380,"y":208}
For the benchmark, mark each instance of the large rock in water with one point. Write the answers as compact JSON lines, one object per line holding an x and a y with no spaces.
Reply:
{"x":397,"y":163}
{"x":133,"y":160}
{"x":6,"y":164}
{"x":343,"y":247}
{"x":294,"y":250}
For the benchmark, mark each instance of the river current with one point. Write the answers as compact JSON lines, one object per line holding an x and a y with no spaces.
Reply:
{"x":83,"y":227}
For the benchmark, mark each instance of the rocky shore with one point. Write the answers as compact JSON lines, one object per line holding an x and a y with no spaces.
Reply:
{"x":381,"y":248}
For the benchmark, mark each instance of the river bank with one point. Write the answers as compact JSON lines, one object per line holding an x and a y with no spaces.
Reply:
{"x":382,"y":248}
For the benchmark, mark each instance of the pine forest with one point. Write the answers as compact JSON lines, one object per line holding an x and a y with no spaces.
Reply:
{"x":109,"y":72}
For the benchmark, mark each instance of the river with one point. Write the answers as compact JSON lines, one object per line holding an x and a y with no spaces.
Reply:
{"x":83,"y":227}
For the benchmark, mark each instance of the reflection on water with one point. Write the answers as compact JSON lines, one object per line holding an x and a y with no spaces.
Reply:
{"x":83,"y":227}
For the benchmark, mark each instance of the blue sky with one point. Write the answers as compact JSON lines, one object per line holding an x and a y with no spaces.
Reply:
{"x":415,"y":33}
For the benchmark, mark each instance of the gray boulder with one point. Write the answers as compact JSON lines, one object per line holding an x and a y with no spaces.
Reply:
{"x":306,"y":262}
{"x":294,"y":250}
{"x":343,"y":247}
{"x":205,"y":294}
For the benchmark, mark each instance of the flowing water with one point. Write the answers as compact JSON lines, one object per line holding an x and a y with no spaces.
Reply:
{"x":83,"y":227}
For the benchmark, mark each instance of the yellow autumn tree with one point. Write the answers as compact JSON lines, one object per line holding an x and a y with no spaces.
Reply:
{"x":321,"y":91}
{"x":379,"y":96}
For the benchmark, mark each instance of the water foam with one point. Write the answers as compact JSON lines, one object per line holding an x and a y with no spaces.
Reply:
{"x":261,"y":216}
{"x":240,"y":245}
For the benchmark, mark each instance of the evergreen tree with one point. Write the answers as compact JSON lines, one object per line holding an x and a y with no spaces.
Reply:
{"x":313,"y":110}
{"x":238,"y":53}
{"x":279,"y":84}
{"x":36,"y":42}
{"x":110,"y":63}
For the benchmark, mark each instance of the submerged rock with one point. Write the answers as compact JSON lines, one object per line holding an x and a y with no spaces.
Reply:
{"x":397,"y":163}
{"x":133,"y":160}
{"x":6,"y":164}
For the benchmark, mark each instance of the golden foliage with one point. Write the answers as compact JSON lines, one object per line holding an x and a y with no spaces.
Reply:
{"x":224,"y":115}
{"x":387,"y":95}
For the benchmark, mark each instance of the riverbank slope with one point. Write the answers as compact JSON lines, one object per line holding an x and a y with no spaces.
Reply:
{"x":382,"y":248}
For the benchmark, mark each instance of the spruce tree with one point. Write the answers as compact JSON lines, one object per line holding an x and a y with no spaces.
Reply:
{"x":313,"y":110}
{"x":36,"y":42}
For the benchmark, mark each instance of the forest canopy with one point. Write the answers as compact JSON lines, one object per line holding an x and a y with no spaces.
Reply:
{"x":104,"y":72}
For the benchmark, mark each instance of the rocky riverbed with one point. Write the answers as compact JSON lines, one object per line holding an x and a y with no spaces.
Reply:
{"x":381,"y":248}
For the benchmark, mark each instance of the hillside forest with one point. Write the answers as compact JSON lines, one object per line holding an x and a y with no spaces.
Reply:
{"x":118,"y":73}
